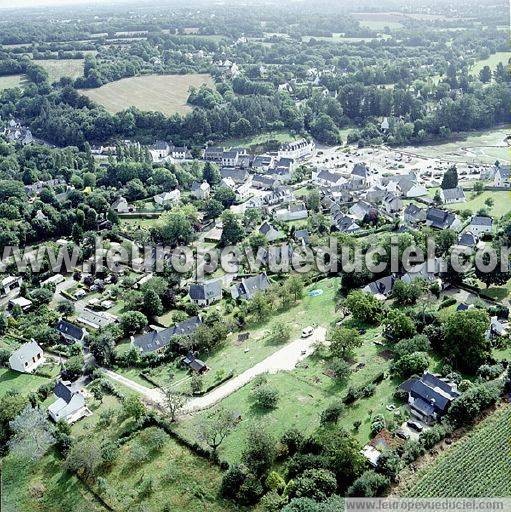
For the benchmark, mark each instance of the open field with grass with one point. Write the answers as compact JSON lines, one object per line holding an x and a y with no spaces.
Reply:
{"x":59,"y":68}
{"x":478,"y":466}
{"x":11,"y":81}
{"x":163,"y":93}
{"x":280,"y":136}
{"x":21,"y":382}
{"x":491,"y":61}
{"x":484,"y":147}
{"x":502,"y":203}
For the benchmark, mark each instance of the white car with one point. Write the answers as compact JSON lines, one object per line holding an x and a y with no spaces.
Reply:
{"x":307,"y":332}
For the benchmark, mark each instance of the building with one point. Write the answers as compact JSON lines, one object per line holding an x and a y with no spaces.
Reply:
{"x":271,"y":233}
{"x":392,"y":203}
{"x":213,"y":154}
{"x":325,"y":178}
{"x":200,"y":190}
{"x":297,"y":150}
{"x":264,"y":182}
{"x":160,"y":150}
{"x":429,"y":396}
{"x":237,"y":175}
{"x":194,"y":364}
{"x":501,"y":178}
{"x":204,"y":294}
{"x":382,"y":288}
{"x":249,"y":286}
{"x":10,"y":285}
{"x":22,"y":302}
{"x":121,"y":205}
{"x":71,"y":332}
{"x":344,"y":223}
{"x":296,"y":211}
{"x":230,"y":158}
{"x":70,"y":405}
{"x":441,"y":219}
{"x":167,"y":198}
{"x":263,"y":163}
{"x":156,"y":341}
{"x":452,"y":195}
{"x":414,"y":215}
{"x":480,"y":225}
{"x":27,"y":358}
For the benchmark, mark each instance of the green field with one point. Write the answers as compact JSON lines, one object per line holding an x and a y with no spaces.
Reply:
{"x":479,"y":466}
{"x":280,"y":136}
{"x":21,"y":382}
{"x":11,"y":81}
{"x":162,"y":93}
{"x":475,"y":203}
{"x":57,"y":69}
{"x":491,"y":61}
{"x":484,"y":147}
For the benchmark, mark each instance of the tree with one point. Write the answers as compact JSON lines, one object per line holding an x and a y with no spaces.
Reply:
{"x":485,"y":75}
{"x":444,"y":240}
{"x":294,"y":287}
{"x":407,"y":294}
{"x":173,"y":401}
{"x":411,"y":364}
{"x":133,"y":322}
{"x":450,"y":179}
{"x":215,"y":427}
{"x":133,"y":407}
{"x":341,"y":369}
{"x":279,"y":333}
{"x":398,"y":326}
{"x":232,"y":232}
{"x":32,"y":433}
{"x":259,"y":452}
{"x":265,"y":397}
{"x":313,"y":201}
{"x":343,"y":341}
{"x":213,"y":208}
{"x":317,"y":484}
{"x":364,"y":307}
{"x":152,"y":303}
{"x":84,"y":459}
{"x":102,"y":347}
{"x":368,"y":485}
{"x":211,"y":174}
{"x":225,"y":196}
{"x":465,"y":339}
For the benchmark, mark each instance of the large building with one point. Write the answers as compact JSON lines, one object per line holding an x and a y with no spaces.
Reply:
{"x":297,"y":150}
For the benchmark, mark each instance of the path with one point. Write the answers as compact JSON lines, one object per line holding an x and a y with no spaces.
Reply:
{"x":284,"y":359}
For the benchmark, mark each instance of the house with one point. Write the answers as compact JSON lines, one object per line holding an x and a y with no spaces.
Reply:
{"x":501,"y":178}
{"x":429,"y":396}
{"x":179,"y":152}
{"x":70,"y":332}
{"x":414,"y":215}
{"x":279,"y":195}
{"x":452,"y":195}
{"x":160,"y":150}
{"x":497,"y":328}
{"x":392,"y":203}
{"x":214,"y":154}
{"x":121,"y":205}
{"x":237,"y":175}
{"x":408,"y":186}
{"x":167,"y":198}
{"x":480,"y":225}
{"x":96,"y":319}
{"x":427,"y":271}
{"x":468,"y":239}
{"x":10,"y":285}
{"x":441,"y":219}
{"x":200,"y":190}
{"x":296,"y":211}
{"x":361,"y":210}
{"x":204,"y":294}
{"x":194,"y":364}
{"x":270,"y":232}
{"x":230,"y":158}
{"x":344,"y":223}
{"x":27,"y":358}
{"x":155,"y":341}
{"x":302,"y":236}
{"x":297,"y":150}
{"x":70,"y":405}
{"x":361,"y":171}
{"x":24,"y":304}
{"x":382,"y":288}
{"x":325,"y":178}
{"x":263,"y":163}
{"x":249,"y":286}
{"x":264,"y":182}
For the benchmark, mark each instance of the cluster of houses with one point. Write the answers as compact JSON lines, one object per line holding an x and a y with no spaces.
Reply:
{"x":17,"y":133}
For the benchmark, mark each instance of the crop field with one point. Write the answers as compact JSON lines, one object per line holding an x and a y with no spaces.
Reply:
{"x":479,"y":466}
{"x":11,"y":81}
{"x":379,"y":20}
{"x":59,"y":68}
{"x":164,"y":93}
{"x":483,"y":147}
{"x":491,"y":61}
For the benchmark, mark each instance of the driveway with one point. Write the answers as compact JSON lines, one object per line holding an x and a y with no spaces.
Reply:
{"x":284,"y":359}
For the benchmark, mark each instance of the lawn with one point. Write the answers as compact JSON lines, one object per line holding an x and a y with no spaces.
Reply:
{"x":11,"y":81}
{"x":258,"y":140}
{"x":491,"y":61}
{"x":478,"y":466}
{"x":21,"y":382}
{"x":162,"y":93}
{"x":502,"y":203}
{"x":482,"y":147}
{"x":59,"y":68}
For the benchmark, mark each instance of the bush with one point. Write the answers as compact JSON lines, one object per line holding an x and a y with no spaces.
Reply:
{"x":293,"y":440}
{"x":332,"y":413}
{"x":411,"y":364}
{"x":368,"y":485}
{"x":490,"y":372}
{"x":419,"y":343}
{"x":265,"y":397}
{"x":317,"y":484}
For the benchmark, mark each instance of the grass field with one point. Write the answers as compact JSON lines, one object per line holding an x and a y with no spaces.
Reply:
{"x":11,"y":81}
{"x":491,"y":61}
{"x":163,"y":93}
{"x":484,"y":147}
{"x":474,"y":203}
{"x":479,"y":466}
{"x":57,"y":69}
{"x":280,"y":136}
{"x":20,"y":382}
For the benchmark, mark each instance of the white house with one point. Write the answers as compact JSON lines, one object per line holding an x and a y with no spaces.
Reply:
{"x":70,"y":405}
{"x":10,"y":284}
{"x":297,"y":150}
{"x":452,"y":195}
{"x":480,"y":225}
{"x":200,"y":190}
{"x":501,"y":178}
{"x":204,"y":294}
{"x":167,"y":198}
{"x":121,"y":205}
{"x":27,"y":358}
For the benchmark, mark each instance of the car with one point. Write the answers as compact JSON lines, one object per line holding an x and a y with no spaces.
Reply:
{"x":402,"y":434}
{"x":415,"y":425}
{"x":308,"y":332}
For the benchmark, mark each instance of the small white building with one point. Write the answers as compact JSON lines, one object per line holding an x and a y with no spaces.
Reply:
{"x":200,"y":190}
{"x":480,"y":225}
{"x":167,"y":198}
{"x":452,"y":195}
{"x":10,"y":285}
{"x":70,"y":405}
{"x":27,"y":358}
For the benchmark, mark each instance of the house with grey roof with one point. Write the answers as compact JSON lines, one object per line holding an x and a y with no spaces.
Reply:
{"x":213,"y":154}
{"x":344,"y":223}
{"x":230,"y":158}
{"x":156,"y":341}
{"x":263,"y":163}
{"x":71,"y":332}
{"x":452,"y":195}
{"x":480,"y":225}
{"x":270,"y":232}
{"x":194,"y":364}
{"x":70,"y":405}
{"x":413,"y":214}
{"x":441,"y":219}
{"x":294,"y":211}
{"x":200,"y":190}
{"x":206,"y":293}
{"x":429,"y":396}
{"x":265,"y":182}
{"x":236,"y":175}
{"x":249,"y":286}
{"x":27,"y":358}
{"x":381,"y":288}
{"x":501,"y":177}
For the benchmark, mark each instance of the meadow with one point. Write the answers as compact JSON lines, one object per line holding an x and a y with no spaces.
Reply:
{"x":478,"y":466}
{"x":59,"y":68}
{"x":491,"y":61}
{"x":167,"y":94}
{"x":11,"y":81}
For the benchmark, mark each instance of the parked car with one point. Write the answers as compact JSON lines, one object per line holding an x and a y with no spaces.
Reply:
{"x":308,"y":332}
{"x":415,"y":425}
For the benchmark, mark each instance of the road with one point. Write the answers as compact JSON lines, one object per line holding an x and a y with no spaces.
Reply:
{"x":284,"y":359}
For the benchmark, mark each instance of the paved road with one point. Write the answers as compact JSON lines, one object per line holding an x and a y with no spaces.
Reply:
{"x":284,"y":359}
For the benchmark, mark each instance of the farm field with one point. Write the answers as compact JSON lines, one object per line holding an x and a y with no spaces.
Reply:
{"x":478,"y":466}
{"x":491,"y":61}
{"x":379,"y":20}
{"x":475,"y":147}
{"x":502,"y":203}
{"x":164,"y":93}
{"x":11,"y":81}
{"x":59,"y":68}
